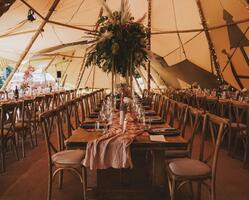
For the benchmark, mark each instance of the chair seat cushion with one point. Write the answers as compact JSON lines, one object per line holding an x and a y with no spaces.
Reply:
{"x":235,"y":125}
{"x":68,"y":157}
{"x":189,"y":168}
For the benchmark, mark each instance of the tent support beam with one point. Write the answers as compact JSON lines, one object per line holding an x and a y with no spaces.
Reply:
{"x":210,"y":43}
{"x":149,"y":41}
{"x":201,"y":29}
{"x":18,"y":33}
{"x":54,"y":22}
{"x":93,"y":81}
{"x":49,"y":64}
{"x":81,"y":73}
{"x":24,"y":54}
{"x":60,"y":54}
{"x":64,"y":73}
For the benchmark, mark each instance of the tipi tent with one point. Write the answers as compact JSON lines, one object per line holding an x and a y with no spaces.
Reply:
{"x":192,"y":40}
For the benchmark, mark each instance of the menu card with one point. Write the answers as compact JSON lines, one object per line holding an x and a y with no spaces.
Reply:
{"x":157,"y":138}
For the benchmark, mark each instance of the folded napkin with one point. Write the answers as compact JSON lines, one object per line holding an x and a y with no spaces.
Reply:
{"x":164,"y":131}
{"x":150,"y":113}
{"x":93,"y":115}
{"x":91,"y":125}
{"x":154,"y":121}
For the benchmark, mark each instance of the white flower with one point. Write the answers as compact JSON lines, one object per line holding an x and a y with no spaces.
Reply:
{"x":244,"y":90}
{"x":127,"y":100}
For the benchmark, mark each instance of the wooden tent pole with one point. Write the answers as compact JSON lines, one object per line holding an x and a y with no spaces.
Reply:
{"x":60,"y":54}
{"x":210,"y":43}
{"x":33,"y":39}
{"x":149,"y":41}
{"x":93,"y":81}
{"x":64,"y":73}
{"x":18,"y":33}
{"x":81,"y":73}
{"x":49,"y":64}
{"x":54,"y":22}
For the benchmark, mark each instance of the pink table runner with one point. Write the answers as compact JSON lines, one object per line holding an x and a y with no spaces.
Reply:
{"x":113,"y":148}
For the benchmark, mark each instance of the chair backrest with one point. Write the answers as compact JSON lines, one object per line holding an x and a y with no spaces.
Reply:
{"x":212,"y":105}
{"x":223,"y":108}
{"x":52,"y":123}
{"x":8,"y":116}
{"x":48,"y":101}
{"x":181,"y":113}
{"x":40,"y":104}
{"x":200,"y":102}
{"x":194,"y":117}
{"x":238,"y":112}
{"x":27,"y":111}
{"x":214,"y":128}
{"x":171,"y":112}
{"x":72,"y":116}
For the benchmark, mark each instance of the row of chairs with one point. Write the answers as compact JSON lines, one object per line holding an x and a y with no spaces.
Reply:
{"x":237,"y":112}
{"x":180,"y":166}
{"x":62,"y":121}
{"x":20,"y":120}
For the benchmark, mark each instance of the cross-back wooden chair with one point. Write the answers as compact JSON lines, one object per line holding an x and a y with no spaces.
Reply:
{"x":81,"y":110}
{"x":7,"y":122}
{"x":239,"y":116}
{"x":171,"y":112}
{"x":86,"y":105}
{"x":72,"y":116}
{"x":200,"y":102}
{"x":23,"y":125}
{"x":48,"y":100}
{"x":203,"y":171}
{"x":180,"y":114}
{"x":212,"y":105}
{"x":60,"y":159}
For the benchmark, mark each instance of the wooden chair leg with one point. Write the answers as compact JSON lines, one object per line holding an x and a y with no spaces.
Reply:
{"x":15,"y":148}
{"x":31,"y":138}
{"x":23,"y":145}
{"x":3,"y":157}
{"x":84,"y":182}
{"x":199,"y":190}
{"x":50,"y":177}
{"x":235,"y":144}
{"x":246,"y":148}
{"x":60,"y":179}
{"x":191,"y":190}
{"x":173,"y":186}
{"x":213,"y":192}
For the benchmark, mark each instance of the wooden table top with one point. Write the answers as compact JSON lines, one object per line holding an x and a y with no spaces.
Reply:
{"x":81,"y":136}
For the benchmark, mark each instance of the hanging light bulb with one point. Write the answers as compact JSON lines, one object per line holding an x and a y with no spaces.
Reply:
{"x":31,"y":15}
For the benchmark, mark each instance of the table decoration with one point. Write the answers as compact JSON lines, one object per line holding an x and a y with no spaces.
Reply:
{"x":120,"y":42}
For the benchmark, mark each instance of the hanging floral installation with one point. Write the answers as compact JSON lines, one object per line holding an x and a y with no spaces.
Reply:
{"x":26,"y":77}
{"x":121,"y":42}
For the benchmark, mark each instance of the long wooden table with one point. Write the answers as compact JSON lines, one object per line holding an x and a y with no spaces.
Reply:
{"x":81,"y":137}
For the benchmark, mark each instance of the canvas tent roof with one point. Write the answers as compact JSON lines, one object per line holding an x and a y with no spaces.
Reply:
{"x":178,"y":38}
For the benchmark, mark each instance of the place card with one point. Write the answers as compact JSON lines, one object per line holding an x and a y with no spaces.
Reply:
{"x":157,"y":138}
